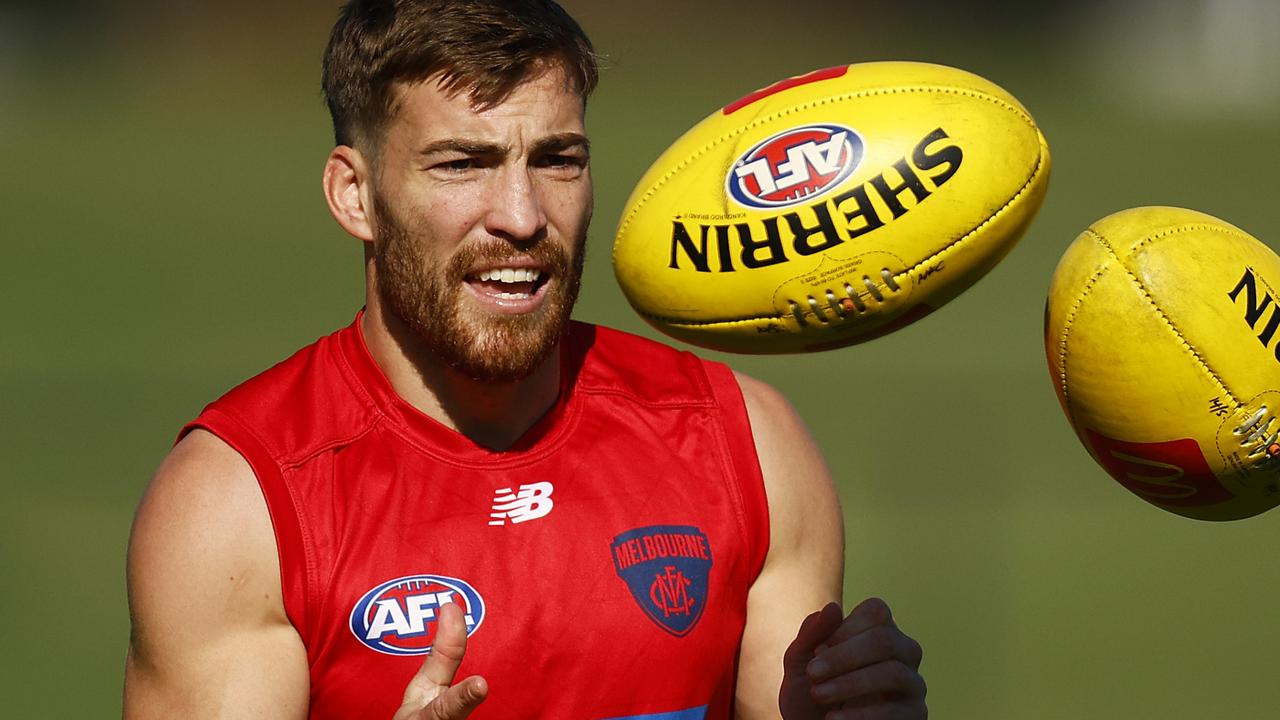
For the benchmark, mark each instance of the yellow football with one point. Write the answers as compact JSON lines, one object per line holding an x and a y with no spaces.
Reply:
{"x":1161,"y":335}
{"x":830,"y":208}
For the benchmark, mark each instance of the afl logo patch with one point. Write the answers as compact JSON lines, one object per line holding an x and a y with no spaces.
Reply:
{"x":794,"y":166}
{"x":398,"y":617}
{"x":667,"y":568}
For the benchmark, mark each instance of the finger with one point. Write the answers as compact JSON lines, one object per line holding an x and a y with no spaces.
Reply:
{"x":867,"y":648}
{"x":872,"y":612}
{"x":914,"y":710}
{"x":446,"y":654}
{"x":458,"y":701}
{"x":814,"y":630}
{"x":889,"y":678}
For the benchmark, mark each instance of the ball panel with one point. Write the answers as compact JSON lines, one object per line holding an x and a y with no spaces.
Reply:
{"x":1116,"y":343}
{"x":1232,"y":271}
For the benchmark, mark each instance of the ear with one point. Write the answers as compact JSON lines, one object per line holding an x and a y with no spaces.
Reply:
{"x":347,"y":182}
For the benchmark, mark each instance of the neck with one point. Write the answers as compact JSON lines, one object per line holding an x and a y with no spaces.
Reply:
{"x":491,"y":414}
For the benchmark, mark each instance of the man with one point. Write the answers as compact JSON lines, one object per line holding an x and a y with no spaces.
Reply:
{"x":577,"y":522}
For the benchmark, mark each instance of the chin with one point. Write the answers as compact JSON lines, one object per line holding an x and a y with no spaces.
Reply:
{"x":508,"y":350}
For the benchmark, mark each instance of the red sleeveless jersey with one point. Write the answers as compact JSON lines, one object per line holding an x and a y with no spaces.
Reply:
{"x":603,"y":561}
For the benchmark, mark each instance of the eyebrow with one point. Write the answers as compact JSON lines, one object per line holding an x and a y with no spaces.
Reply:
{"x":463,"y":146}
{"x":562,"y":141}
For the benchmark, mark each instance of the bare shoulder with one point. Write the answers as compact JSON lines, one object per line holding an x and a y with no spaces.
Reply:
{"x":202,"y":508}
{"x":795,"y":472}
{"x":763,"y":400}
{"x":204,"y":592}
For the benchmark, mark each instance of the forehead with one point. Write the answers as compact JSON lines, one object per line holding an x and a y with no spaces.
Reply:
{"x":545,"y":104}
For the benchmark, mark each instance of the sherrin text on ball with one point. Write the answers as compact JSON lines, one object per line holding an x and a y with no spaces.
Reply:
{"x":830,"y":208}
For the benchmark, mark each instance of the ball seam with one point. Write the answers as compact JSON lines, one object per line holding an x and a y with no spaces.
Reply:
{"x":1146,"y":293}
{"x":1013,"y":200}
{"x":1067,"y":326}
{"x":1206,"y":227}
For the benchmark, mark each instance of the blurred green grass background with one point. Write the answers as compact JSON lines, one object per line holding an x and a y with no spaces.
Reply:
{"x":166,"y":238}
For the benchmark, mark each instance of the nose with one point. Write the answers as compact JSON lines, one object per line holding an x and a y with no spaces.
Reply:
{"x":516,"y":210}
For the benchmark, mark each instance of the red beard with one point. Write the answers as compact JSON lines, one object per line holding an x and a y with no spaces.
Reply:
{"x":429,"y":300}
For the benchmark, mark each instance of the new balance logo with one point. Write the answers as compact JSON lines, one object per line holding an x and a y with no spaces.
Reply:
{"x":530,"y":502}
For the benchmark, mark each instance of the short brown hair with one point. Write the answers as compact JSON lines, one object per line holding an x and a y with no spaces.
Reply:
{"x":483,"y":47}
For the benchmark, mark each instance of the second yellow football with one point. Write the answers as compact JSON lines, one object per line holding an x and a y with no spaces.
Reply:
{"x":1162,"y":332}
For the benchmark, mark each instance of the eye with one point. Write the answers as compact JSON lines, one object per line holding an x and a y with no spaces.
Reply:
{"x":458,"y":165}
{"x":565,"y":161}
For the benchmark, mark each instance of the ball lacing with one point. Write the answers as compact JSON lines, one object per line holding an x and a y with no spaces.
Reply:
{"x":1257,"y":434}
{"x":842,"y":308}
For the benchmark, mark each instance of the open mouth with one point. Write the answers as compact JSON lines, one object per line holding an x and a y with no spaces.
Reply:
{"x":508,"y":283}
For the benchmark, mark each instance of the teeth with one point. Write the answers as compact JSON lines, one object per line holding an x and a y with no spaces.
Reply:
{"x":510,"y":275}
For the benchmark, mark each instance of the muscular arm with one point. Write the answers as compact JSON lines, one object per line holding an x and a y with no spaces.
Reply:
{"x":805,"y":565}
{"x":802,"y":658}
{"x":210,"y":638}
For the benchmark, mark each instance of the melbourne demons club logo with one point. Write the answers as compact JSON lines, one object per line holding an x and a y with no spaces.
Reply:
{"x":794,"y":166}
{"x":667,"y":570}
{"x":399,"y":616}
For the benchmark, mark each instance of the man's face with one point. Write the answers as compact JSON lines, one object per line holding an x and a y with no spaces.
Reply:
{"x":480,"y":221}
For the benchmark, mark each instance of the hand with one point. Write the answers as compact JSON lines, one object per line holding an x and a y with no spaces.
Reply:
{"x":854,"y":668}
{"x":429,"y":695}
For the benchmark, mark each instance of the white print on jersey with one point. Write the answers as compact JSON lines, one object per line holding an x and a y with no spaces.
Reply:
{"x":421,"y":609}
{"x":531,"y":502}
